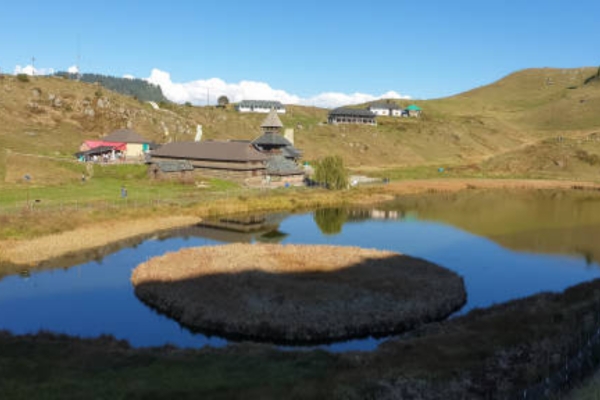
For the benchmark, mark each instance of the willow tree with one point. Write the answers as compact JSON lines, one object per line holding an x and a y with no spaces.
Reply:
{"x":331,"y":173}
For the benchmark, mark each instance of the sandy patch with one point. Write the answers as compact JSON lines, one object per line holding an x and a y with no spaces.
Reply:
{"x":31,"y":252}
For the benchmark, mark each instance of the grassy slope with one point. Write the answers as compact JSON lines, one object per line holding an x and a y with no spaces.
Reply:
{"x":485,"y":127}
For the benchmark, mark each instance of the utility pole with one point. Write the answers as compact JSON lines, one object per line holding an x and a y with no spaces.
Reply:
{"x":32,"y":65}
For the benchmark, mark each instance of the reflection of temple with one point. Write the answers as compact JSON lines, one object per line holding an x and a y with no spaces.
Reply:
{"x":243,"y":229}
{"x":355,"y":215}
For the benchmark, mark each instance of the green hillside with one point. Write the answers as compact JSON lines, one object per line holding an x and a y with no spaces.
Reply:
{"x":536,"y":122}
{"x":133,"y":87}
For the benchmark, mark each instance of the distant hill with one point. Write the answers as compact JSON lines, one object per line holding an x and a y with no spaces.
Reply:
{"x":138,"y":88}
{"x":534,"y":123}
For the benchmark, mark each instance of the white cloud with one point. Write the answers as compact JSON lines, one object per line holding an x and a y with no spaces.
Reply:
{"x":30,"y":70}
{"x":73,"y":69}
{"x":128,"y":76}
{"x":196,"y":92}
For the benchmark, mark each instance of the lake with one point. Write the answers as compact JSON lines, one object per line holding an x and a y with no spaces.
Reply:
{"x":505,"y":244}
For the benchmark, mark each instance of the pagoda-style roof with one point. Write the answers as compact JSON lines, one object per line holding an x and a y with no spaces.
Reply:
{"x":272,"y":121}
{"x":281,"y":166}
{"x":271,"y":139}
{"x":291,"y":152}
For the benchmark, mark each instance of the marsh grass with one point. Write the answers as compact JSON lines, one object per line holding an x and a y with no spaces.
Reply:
{"x":295,"y":293}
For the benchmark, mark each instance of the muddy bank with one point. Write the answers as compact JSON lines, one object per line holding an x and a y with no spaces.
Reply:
{"x":297,"y":293}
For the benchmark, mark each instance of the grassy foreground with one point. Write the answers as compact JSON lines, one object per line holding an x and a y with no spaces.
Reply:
{"x":504,"y":352}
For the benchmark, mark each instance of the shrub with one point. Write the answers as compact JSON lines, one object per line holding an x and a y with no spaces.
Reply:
{"x":331,"y":173}
{"x":22,"y":78}
{"x":591,"y":159}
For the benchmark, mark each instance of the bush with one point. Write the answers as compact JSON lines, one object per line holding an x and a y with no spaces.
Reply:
{"x":331,"y":173}
{"x":591,"y":159}
{"x":22,"y":78}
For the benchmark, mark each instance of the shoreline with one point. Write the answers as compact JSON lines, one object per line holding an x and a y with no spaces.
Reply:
{"x":33,"y":252}
{"x":91,"y":234}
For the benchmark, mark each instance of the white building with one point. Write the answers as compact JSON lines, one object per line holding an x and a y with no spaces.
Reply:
{"x":260,"y":106}
{"x":386,"y":109}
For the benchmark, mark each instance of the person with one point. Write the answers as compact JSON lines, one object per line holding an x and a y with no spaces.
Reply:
{"x":82,"y":178}
{"x":123,"y":192}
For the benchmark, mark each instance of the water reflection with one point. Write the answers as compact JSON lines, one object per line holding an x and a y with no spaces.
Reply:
{"x":330,"y":220}
{"x":505,"y":244}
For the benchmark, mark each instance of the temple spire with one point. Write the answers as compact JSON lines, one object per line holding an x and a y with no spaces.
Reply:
{"x":272,"y":123}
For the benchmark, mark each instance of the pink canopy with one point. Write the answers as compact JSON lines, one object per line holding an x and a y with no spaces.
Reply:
{"x":92,"y":144}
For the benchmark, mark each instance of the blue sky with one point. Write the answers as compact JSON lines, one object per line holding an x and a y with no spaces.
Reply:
{"x":423,"y":49}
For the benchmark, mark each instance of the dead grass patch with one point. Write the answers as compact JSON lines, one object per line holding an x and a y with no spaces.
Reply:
{"x":297,"y":293}
{"x":34,"y":251}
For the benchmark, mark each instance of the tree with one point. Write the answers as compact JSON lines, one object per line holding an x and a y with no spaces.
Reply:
{"x":22,"y":78}
{"x":222,"y":101}
{"x":330,"y":171}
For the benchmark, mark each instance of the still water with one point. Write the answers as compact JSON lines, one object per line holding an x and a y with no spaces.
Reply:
{"x":505,"y":245}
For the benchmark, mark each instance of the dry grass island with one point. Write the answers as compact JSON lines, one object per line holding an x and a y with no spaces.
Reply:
{"x":297,"y":293}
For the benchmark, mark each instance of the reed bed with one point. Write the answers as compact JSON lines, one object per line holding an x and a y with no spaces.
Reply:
{"x":297,"y":293}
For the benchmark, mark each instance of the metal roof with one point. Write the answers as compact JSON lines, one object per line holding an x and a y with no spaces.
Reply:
{"x":352,"y":112}
{"x":385,"y":106}
{"x":413,"y":107}
{"x":125,"y":136}
{"x":260,"y":104}
{"x":210,"y":150}
{"x":95,"y":151}
{"x":271,"y":139}
{"x":291,"y":152}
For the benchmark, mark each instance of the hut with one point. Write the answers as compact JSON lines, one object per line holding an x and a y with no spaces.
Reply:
{"x":122,"y":144}
{"x":344,"y":115}
{"x":413,"y":110}
{"x":135,"y":145}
